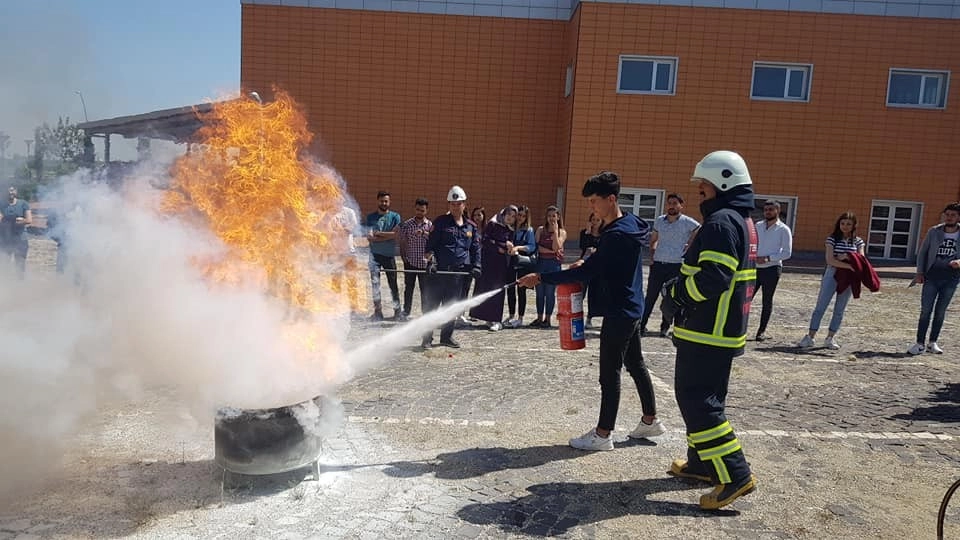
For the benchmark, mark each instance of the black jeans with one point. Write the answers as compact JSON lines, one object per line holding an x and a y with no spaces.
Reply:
{"x":660,"y":273}
{"x":620,"y":347}
{"x":389,"y":263}
{"x":409,"y":281}
{"x":18,"y":247}
{"x":767,"y":279}
{"x":701,"y":377}
{"x":442,"y":290}
{"x":516,"y":295}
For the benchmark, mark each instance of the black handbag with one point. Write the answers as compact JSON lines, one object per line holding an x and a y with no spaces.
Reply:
{"x":525,"y":263}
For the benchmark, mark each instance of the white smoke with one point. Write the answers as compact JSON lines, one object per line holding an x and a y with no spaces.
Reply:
{"x":133,"y":312}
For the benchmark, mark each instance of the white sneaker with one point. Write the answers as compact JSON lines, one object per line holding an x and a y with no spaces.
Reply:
{"x":806,"y":342}
{"x":917,"y":348}
{"x":648,"y":430}
{"x":591,"y":441}
{"x":513,"y":323}
{"x":831,"y":343}
{"x":934,"y":348}
{"x":495,"y":327}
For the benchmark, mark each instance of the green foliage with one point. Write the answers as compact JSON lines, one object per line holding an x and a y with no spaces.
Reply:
{"x":65,"y":144}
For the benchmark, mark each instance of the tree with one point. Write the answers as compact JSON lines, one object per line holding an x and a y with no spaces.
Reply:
{"x":4,"y":144}
{"x":64,"y":143}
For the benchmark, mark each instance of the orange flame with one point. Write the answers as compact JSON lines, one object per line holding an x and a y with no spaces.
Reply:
{"x":279,"y":214}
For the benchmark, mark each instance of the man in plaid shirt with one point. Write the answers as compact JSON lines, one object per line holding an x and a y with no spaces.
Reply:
{"x":413,"y":234}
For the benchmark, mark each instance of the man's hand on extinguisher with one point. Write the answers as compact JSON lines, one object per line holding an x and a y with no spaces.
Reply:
{"x":529,"y":281}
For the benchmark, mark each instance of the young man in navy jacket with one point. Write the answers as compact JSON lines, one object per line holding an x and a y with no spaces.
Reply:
{"x":617,"y":266}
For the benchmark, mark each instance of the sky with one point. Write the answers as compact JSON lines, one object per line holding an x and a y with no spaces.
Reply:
{"x":124,"y":56}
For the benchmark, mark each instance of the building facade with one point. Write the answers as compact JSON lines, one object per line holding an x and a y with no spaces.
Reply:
{"x":835,"y":104}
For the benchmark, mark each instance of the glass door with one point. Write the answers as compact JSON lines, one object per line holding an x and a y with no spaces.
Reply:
{"x":893,"y":229}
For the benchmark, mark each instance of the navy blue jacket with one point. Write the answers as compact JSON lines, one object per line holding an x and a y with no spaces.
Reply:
{"x":616,"y":267}
{"x":454,"y":247}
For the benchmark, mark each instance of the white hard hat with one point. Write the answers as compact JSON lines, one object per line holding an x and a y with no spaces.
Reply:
{"x":456,"y":194}
{"x":724,"y":169}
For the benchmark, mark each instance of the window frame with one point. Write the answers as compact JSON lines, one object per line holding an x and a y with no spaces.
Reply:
{"x":789,"y":218}
{"x":660,"y":197}
{"x":788,"y":66}
{"x":944,"y":89}
{"x":568,"y":81}
{"x":674,"y":62}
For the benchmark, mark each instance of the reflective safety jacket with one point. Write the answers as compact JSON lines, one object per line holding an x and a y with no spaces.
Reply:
{"x":718,"y":275}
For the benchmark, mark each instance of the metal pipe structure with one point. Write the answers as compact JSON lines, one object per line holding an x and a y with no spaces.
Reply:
{"x":438,"y":272}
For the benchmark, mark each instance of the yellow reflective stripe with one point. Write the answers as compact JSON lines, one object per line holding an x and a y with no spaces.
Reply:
{"x":745,"y":275}
{"x":708,"y":435}
{"x":723,"y":475}
{"x":724,"y":449}
{"x":710,"y":339}
{"x":723,"y":309}
{"x":688,"y":270}
{"x":689,"y":442}
{"x":729,"y":261}
{"x":692,"y":290}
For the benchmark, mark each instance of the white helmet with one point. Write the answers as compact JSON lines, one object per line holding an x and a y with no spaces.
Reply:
{"x":456,"y":194}
{"x":724,"y":169}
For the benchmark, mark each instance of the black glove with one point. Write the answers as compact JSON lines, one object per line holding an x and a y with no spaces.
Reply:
{"x":668,"y":305}
{"x":432,"y":267}
{"x":475,"y":272}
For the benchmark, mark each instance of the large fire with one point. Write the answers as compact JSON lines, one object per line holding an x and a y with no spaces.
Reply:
{"x":280,"y":216}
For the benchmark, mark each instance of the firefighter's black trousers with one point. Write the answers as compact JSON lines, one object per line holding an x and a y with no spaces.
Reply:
{"x":700,"y":383}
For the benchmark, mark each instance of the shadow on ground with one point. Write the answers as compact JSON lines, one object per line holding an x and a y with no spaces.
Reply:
{"x":555,"y":508}
{"x":947,"y":408}
{"x":120,"y":498}
{"x":474,"y":462}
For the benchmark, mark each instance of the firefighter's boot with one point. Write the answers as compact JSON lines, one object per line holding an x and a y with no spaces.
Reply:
{"x":681,"y":469}
{"x":725,"y":494}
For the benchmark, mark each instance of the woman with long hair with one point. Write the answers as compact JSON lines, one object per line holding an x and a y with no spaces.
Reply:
{"x":524,"y":248}
{"x":550,"y":238}
{"x":589,"y":241}
{"x":842,"y":242}
{"x":496,"y":246}
{"x":479,"y":217}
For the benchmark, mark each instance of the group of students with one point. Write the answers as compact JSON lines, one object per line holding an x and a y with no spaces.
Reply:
{"x":509,"y":248}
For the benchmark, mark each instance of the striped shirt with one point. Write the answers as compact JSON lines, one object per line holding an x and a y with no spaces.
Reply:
{"x":413,"y":236}
{"x":845,"y":245}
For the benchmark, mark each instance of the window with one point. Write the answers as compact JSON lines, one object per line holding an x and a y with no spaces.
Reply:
{"x":647,"y":75}
{"x":643,"y":203}
{"x":894,"y":229}
{"x":781,"y":82}
{"x":917,"y":88}
{"x":788,"y":208}
{"x":568,"y":85}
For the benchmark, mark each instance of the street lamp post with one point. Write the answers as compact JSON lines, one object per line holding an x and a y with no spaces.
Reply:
{"x":79,"y":93}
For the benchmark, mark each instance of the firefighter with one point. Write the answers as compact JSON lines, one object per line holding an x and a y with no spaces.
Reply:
{"x":453,"y":247}
{"x":709,"y":303}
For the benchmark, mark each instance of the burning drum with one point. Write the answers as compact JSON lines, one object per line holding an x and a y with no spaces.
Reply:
{"x":268,"y":441}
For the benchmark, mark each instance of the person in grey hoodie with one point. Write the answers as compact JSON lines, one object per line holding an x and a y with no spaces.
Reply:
{"x":938,"y":269}
{"x":617,"y":269}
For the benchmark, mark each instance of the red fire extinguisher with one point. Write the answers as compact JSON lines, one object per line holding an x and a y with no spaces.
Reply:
{"x":570,"y":316}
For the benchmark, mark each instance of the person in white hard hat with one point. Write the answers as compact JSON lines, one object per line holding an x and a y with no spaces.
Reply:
{"x":709,"y":304}
{"x":453,"y":246}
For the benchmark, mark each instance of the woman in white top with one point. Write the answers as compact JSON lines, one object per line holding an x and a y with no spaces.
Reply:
{"x":842,"y":242}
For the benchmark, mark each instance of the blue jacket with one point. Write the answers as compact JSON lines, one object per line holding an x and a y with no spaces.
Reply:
{"x":525,"y":237}
{"x":616,"y":267}
{"x":454,"y":247}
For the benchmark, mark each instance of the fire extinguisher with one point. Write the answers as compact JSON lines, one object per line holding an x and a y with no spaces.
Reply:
{"x":570,"y":316}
